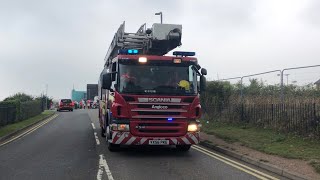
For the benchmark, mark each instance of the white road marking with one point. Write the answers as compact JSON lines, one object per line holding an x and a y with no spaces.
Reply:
{"x":235,"y":164}
{"x":97,"y":139}
{"x":93,"y":126}
{"x":30,"y":130}
{"x":103,"y":165}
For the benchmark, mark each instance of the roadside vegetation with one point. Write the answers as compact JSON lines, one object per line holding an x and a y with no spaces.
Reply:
{"x":267,"y":141}
{"x":20,"y":107}
{"x":258,"y":119}
{"x":22,"y":124}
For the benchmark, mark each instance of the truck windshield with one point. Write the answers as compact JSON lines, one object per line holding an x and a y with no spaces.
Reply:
{"x":170,"y":79}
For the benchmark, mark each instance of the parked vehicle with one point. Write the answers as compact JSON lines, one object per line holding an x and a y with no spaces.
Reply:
{"x":65,"y":104}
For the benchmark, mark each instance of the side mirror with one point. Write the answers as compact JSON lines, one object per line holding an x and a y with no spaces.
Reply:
{"x":106,"y":81}
{"x":203,"y":71}
{"x":203,"y":84}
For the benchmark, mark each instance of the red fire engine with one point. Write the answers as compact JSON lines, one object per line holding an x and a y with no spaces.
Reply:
{"x":147,"y":98}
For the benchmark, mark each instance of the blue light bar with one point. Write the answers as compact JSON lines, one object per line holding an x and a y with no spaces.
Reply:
{"x":183,"y":53}
{"x":128,"y":51}
{"x":170,"y":119}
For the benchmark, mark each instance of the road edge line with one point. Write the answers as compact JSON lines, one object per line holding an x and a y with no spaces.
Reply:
{"x":262,"y":165}
{"x":10,"y":135}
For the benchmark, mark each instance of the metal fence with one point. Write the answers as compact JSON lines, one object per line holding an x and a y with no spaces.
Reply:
{"x":284,"y":84}
{"x":287,"y":100}
{"x":302,"y":119}
{"x":7,"y":114}
{"x":19,"y":111}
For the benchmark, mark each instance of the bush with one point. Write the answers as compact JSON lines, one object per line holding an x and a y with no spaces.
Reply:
{"x":19,"y":107}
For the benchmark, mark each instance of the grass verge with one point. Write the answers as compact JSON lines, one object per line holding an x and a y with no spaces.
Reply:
{"x":13,"y":127}
{"x":267,"y":141}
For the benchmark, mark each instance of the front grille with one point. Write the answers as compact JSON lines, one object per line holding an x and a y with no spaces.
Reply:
{"x":158,"y":131}
{"x":150,"y":106}
{"x":158,"y":124}
{"x":158,"y":127}
{"x":157,"y":113}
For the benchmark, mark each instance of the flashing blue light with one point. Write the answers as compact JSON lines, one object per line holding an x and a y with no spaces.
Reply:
{"x":133,"y":51}
{"x":170,"y":119}
{"x":184,"y":53}
{"x":128,"y":51}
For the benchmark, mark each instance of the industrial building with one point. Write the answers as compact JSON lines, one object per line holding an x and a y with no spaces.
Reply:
{"x":92,"y":91}
{"x":78,"y":95}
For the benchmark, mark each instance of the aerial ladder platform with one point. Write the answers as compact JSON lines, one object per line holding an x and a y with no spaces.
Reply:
{"x":157,"y":40}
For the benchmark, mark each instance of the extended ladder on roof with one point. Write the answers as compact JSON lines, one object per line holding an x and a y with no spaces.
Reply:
{"x":158,"y":40}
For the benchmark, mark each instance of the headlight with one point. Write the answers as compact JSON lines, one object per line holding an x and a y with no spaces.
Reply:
{"x":143,"y":59}
{"x":123,"y":127}
{"x":192,"y":127}
{"x":120,"y":127}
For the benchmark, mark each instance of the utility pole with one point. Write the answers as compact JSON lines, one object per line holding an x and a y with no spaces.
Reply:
{"x":46,"y":96}
{"x":159,"y":13}
{"x":287,"y":78}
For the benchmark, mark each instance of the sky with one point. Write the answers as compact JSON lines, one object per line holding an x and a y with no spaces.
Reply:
{"x":62,"y":44}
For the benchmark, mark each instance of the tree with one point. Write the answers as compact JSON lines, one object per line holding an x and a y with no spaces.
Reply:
{"x":21,"y":97}
{"x":43,"y":100}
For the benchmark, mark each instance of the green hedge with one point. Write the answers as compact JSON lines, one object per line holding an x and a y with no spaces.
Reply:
{"x":14,"y":111}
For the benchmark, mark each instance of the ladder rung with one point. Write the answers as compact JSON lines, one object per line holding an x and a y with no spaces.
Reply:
{"x":131,"y":40}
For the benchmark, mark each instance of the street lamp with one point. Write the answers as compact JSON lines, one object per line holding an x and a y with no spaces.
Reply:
{"x":287,"y":77}
{"x":159,"y":13}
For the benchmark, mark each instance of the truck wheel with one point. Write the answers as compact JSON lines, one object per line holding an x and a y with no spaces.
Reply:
{"x":113,"y":147}
{"x":183,"y":148}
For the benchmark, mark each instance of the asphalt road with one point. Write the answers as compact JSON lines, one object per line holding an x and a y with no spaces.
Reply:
{"x":70,"y":147}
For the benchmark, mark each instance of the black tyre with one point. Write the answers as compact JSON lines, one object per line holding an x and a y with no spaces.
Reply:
{"x":183,"y":148}
{"x":113,"y":147}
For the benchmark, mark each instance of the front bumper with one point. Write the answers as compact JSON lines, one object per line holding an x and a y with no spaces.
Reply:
{"x":126,"y":138}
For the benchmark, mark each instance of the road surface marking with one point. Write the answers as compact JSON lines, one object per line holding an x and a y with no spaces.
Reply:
{"x":31,"y":130}
{"x":103,"y":165}
{"x":93,"y":126}
{"x":97,"y":139}
{"x":235,"y":164}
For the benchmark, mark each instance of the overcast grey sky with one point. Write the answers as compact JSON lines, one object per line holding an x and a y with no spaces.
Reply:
{"x":63,"y":42}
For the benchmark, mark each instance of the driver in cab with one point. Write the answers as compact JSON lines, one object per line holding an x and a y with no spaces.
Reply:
{"x":128,"y":79}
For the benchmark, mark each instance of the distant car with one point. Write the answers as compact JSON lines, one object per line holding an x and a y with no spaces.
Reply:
{"x":65,"y":104}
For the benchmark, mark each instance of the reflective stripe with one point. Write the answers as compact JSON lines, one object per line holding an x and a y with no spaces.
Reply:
{"x":114,"y":134}
{"x":174,"y":140}
{"x":185,"y":140}
{"x":129,"y":142}
{"x":143,"y":140}
{"x":194,"y":139}
{"x":120,"y":139}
